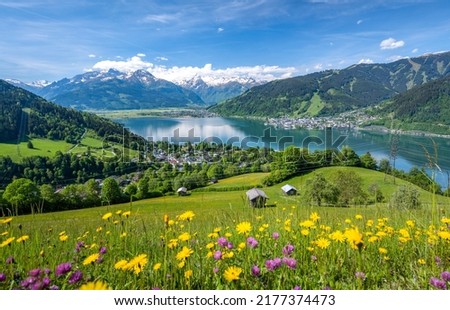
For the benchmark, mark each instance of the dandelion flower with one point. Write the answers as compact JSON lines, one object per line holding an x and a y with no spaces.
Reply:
{"x":314,"y":217}
{"x":186,"y":216}
{"x":184,"y":236}
{"x":337,"y":236}
{"x":63,"y":238}
{"x":98,"y":285}
{"x":358,"y":217}
{"x":106,"y":216}
{"x":121,"y":264}
{"x":322,"y":243}
{"x":188,"y":274}
{"x":232,"y":273}
{"x":7,"y":220}
{"x":156,"y":266}
{"x":23,"y":238}
{"x":382,"y":251}
{"x":244,"y":228}
{"x":7,"y":242}
{"x":421,"y":261}
{"x":126,"y":213}
{"x":307,"y":224}
{"x":184,"y":253}
{"x":91,"y":258}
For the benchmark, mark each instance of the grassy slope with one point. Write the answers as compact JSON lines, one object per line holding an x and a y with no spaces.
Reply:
{"x":48,"y":148}
{"x":210,"y":206}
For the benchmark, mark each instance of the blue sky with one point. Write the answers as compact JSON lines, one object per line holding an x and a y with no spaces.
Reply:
{"x":175,"y":39}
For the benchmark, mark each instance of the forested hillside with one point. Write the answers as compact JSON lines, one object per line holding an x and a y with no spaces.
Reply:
{"x":336,"y":91}
{"x":23,"y":114}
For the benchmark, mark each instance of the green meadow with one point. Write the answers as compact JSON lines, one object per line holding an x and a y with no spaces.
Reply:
{"x":214,"y":240}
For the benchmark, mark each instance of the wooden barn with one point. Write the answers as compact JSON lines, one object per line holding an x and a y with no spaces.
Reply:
{"x":257,"y":198}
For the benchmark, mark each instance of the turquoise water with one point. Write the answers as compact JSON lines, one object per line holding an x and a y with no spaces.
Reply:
{"x":240,"y":132}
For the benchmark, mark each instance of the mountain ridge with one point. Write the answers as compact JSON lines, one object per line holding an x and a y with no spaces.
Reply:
{"x":335,"y":91}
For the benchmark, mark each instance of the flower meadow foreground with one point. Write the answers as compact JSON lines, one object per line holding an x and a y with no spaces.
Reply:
{"x":261,"y":252}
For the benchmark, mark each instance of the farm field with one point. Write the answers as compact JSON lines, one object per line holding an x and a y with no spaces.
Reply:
{"x":214,"y":240}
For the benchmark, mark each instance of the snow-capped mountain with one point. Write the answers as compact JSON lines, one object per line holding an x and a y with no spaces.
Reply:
{"x":117,"y":90}
{"x":216,"y":89}
{"x":33,"y":87}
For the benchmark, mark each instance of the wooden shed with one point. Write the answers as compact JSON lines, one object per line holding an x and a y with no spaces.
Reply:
{"x":256,"y":197}
{"x":289,"y":190}
{"x":182,"y":191}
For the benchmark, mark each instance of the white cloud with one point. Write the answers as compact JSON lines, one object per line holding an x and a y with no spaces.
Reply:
{"x":161,"y":58}
{"x":415,"y":50}
{"x":140,"y":55}
{"x":396,"y":57}
{"x":92,"y":56}
{"x":131,"y":64}
{"x":220,"y":29}
{"x":318,"y":67}
{"x":391,"y":43}
{"x":365,"y":61}
{"x":207,"y":72}
{"x":359,"y":22}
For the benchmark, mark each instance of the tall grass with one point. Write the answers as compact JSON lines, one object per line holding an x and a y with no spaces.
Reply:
{"x":230,"y":246}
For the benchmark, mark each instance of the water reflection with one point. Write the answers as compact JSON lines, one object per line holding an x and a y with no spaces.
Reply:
{"x":412,"y":150}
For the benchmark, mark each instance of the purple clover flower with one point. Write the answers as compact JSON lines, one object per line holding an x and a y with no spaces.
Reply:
{"x":2,"y":277}
{"x":290,"y":262}
{"x":360,"y":275}
{"x":445,"y":276}
{"x":215,"y":270}
{"x":230,"y":245}
{"x":272,"y":264}
{"x":275,"y":235}
{"x":437,"y":260}
{"x":34,"y":272}
{"x":75,"y":277}
{"x":217,"y":255}
{"x":256,"y":271}
{"x":63,"y":268}
{"x":288,"y":249}
{"x":79,"y":246}
{"x":297,"y":288}
{"x":252,"y":242}
{"x":438,"y":283}
{"x":222,"y":241}
{"x":10,"y":260}
{"x":102,"y":250}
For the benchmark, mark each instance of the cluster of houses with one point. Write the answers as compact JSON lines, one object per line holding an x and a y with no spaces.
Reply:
{"x":256,"y":197}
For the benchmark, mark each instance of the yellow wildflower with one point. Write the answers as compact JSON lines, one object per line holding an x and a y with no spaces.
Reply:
{"x":421,"y":261}
{"x":322,"y":243}
{"x":23,"y":238}
{"x":63,"y":238}
{"x":232,"y":273}
{"x":186,"y":216}
{"x":7,"y":242}
{"x":106,"y":216}
{"x":358,"y":217}
{"x":243,"y":228}
{"x":156,"y":266}
{"x":91,"y":259}
{"x":304,"y":232}
{"x":121,"y":264}
{"x":337,"y":236}
{"x":126,"y":213}
{"x":98,"y":285}
{"x":188,"y":274}
{"x":7,"y":220}
{"x":382,"y":250}
{"x":307,"y":224}
{"x":184,"y":253}
{"x":314,"y":217}
{"x":184,"y":236}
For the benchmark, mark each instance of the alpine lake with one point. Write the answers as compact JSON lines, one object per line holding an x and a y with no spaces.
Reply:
{"x":412,"y":150}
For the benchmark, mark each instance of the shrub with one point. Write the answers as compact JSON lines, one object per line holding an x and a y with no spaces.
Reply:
{"x":406,"y":197}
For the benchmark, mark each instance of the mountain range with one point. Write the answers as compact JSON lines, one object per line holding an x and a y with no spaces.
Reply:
{"x":335,"y":91}
{"x":115,"y":90}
